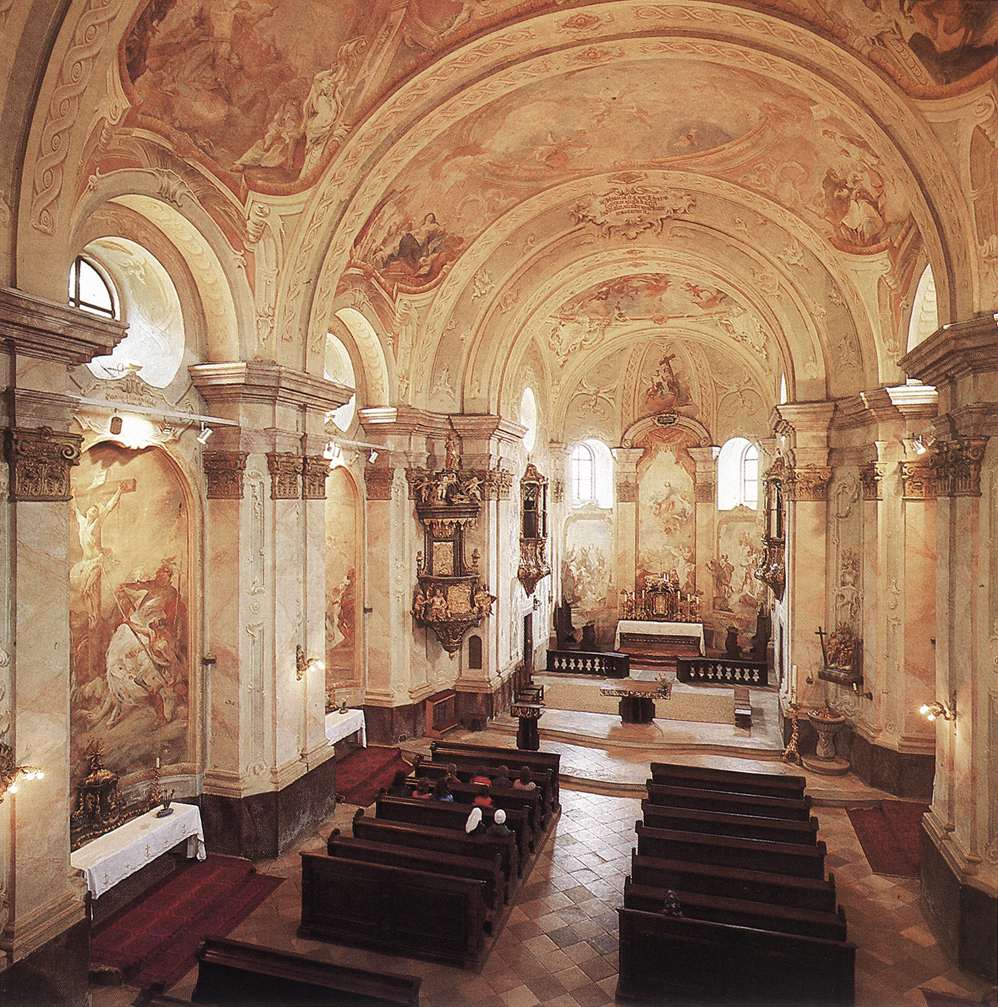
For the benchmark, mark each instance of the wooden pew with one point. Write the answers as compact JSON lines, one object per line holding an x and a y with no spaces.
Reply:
{"x":728,"y":780}
{"x":444,"y":815}
{"x":667,"y":959}
{"x":738,"y":883}
{"x":777,"y":830}
{"x":740,"y":912}
{"x":441,"y":840}
{"x":392,"y":909}
{"x":434,"y":770}
{"x":232,"y":973}
{"x":455,"y":751}
{"x":735,"y":804}
{"x":502,"y":797}
{"x":794,"y":859}
{"x":477,"y":868}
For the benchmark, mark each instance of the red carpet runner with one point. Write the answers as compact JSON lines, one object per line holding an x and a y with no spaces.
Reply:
{"x":888,"y":834}
{"x":363,"y":773}
{"x":155,"y":940}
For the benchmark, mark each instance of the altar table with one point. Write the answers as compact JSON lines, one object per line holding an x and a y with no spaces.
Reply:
{"x":120,"y":853}
{"x":640,"y":627}
{"x":342,"y":725}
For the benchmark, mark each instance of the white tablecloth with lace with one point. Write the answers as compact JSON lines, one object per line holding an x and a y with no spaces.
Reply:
{"x":117,"y":854}
{"x":342,"y":725}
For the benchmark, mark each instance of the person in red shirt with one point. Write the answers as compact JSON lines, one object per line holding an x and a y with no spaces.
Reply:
{"x":482,"y":777}
{"x":484,"y":797}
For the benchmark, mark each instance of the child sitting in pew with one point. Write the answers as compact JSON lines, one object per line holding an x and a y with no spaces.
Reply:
{"x":523,"y":781}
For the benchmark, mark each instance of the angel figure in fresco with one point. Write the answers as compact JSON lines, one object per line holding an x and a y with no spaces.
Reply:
{"x":671,"y":509}
{"x":416,"y":245}
{"x":325,"y":106}
{"x":277,"y":148}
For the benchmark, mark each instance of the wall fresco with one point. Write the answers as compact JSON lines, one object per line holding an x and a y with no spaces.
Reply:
{"x":341,"y":580}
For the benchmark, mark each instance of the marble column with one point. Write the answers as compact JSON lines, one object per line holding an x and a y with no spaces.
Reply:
{"x":41,"y":897}
{"x":268,"y":776}
{"x":625,"y":529}
{"x":960,"y":832}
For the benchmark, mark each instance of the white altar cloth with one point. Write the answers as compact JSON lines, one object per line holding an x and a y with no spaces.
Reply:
{"x":342,"y":725}
{"x":114,"y":856}
{"x":652,"y":628}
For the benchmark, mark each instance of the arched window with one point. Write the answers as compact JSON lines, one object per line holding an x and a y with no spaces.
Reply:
{"x":924,"y":311}
{"x":339,"y":368}
{"x":528,"y":418}
{"x":90,"y":290}
{"x":738,"y":474}
{"x":783,"y":389}
{"x":583,"y":474}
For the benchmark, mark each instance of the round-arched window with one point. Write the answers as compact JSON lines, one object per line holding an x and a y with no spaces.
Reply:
{"x":90,"y":290}
{"x":339,"y":368}
{"x":738,"y":474}
{"x":528,"y":418}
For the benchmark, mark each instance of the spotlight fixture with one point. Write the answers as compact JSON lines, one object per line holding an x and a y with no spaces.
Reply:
{"x":373,"y":456}
{"x":919,"y":445}
{"x":205,"y":433}
{"x":931,"y":711}
{"x":11,"y":772}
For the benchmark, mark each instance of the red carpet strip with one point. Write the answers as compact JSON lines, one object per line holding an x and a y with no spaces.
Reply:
{"x":156,"y":938}
{"x":364,"y":772}
{"x":888,"y":834}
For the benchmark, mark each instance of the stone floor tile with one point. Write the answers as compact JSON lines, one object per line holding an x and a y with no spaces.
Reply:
{"x":519,"y":996}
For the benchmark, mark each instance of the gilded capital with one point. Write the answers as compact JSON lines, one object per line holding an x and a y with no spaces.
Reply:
{"x":40,"y":460}
{"x":315,"y":469}
{"x":809,"y":482}
{"x":224,"y":473}
{"x":285,"y":469}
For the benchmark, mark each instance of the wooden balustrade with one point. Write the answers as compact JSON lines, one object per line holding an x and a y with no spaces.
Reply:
{"x":602,"y":664}
{"x":722,"y":671}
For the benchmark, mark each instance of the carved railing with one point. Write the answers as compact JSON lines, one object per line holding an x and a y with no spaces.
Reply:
{"x":605,"y":664}
{"x":722,"y":671}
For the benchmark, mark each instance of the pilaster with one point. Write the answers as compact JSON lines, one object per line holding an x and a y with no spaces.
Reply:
{"x":625,"y":531}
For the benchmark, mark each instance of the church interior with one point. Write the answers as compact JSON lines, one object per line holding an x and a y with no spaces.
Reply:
{"x":499,"y":502}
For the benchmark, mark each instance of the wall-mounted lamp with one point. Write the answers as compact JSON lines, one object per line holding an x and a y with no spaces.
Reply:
{"x":205,"y":433}
{"x":11,"y":772}
{"x":936,"y":709}
{"x":115,"y":424}
{"x":372,"y":456}
{"x":303,"y":663}
{"x":334,"y":453}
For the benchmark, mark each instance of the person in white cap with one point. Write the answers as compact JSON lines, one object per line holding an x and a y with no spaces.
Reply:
{"x":499,"y":826}
{"x":474,"y":821}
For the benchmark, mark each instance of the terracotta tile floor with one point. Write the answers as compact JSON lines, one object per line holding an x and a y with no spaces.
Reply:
{"x":559,"y":945}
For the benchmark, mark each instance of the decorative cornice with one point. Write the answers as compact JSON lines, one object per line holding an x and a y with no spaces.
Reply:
{"x":809,"y":482}
{"x":379,"y":482}
{"x":255,"y":381}
{"x":285,"y":469}
{"x":224,"y":473}
{"x":918,"y":479}
{"x":315,"y":469}
{"x":34,"y":327}
{"x":40,"y":460}
{"x":870,"y":476}
{"x":955,"y":351}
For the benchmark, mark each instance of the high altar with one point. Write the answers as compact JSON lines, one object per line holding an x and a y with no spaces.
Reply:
{"x":658,"y":616}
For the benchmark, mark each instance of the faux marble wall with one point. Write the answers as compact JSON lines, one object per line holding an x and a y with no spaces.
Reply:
{"x":342,"y":565}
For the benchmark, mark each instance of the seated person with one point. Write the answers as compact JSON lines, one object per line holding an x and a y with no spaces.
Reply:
{"x":523,"y":781}
{"x":502,"y":777}
{"x":499,"y":826}
{"x":483,"y":799}
{"x":452,"y":776}
{"x":398,"y":787}
{"x":481,"y":775}
{"x":422,"y":790}
{"x":441,"y":791}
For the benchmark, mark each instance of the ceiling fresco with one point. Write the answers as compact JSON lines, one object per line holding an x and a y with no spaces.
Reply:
{"x":265,"y":100}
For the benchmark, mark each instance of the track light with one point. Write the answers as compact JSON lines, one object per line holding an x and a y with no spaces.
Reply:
{"x":372,"y":456}
{"x":205,"y":433}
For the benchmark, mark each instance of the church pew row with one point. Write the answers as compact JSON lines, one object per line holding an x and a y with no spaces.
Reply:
{"x":233,"y":973}
{"x":470,"y":765}
{"x":668,"y":959}
{"x":444,"y":815}
{"x":392,"y":909}
{"x":717,"y":823}
{"x":793,"y":859}
{"x":740,"y":912}
{"x":463,"y":753}
{"x":728,"y":780}
{"x":667,"y":795}
{"x":769,"y":887}
{"x":502,"y":797}
{"x":476,"y":868}
{"x":441,"y":840}
{"x":434,"y":770}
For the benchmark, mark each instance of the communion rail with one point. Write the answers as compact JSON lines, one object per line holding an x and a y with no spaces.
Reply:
{"x":721,"y":671}
{"x":604,"y":664}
